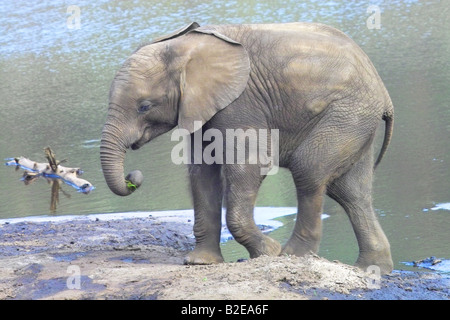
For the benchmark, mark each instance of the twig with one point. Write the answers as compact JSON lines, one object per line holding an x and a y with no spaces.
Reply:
{"x":52,"y":169}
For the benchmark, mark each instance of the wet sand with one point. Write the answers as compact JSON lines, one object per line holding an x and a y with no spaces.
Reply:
{"x":142,"y":258}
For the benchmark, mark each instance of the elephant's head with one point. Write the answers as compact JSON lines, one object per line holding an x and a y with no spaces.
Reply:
{"x":184,"y":77}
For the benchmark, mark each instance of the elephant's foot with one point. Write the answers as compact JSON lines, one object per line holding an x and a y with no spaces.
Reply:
{"x":298,"y":248}
{"x":267,"y":246}
{"x":203,"y":256}
{"x":380,"y":260}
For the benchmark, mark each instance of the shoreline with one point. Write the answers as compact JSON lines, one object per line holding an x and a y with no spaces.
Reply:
{"x":141,"y":257}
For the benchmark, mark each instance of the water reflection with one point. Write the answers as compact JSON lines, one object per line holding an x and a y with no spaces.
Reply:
{"x":55,"y":189}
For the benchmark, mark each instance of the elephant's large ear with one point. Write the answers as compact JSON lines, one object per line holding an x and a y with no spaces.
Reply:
{"x":215,"y":74}
{"x":177,"y":33}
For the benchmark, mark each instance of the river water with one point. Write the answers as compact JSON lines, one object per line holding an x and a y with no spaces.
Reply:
{"x":56,"y":66}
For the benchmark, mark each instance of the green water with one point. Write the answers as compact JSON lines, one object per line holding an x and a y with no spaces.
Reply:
{"x":54,"y":84}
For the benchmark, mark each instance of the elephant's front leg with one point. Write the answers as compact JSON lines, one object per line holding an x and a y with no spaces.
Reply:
{"x":242,"y":185}
{"x":206,"y":186}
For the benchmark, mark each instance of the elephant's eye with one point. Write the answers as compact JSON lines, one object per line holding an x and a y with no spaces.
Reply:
{"x":144,"y":107}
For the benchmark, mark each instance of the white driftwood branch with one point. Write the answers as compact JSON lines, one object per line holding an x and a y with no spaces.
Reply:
{"x":69,"y":175}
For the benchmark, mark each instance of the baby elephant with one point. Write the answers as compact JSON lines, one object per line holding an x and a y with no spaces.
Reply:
{"x":302,"y":92}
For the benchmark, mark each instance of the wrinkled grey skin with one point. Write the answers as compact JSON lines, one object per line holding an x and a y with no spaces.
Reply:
{"x":310,"y":81}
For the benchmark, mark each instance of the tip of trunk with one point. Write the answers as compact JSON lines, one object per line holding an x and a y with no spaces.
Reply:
{"x":134,"y":180}
{"x":117,"y":183}
{"x":128,"y":185}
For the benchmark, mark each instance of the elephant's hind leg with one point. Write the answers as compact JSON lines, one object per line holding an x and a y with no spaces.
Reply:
{"x":353,"y":192}
{"x":243,"y":182}
{"x":308,"y":225}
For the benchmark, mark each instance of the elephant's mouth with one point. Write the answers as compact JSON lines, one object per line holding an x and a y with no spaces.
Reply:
{"x":139,"y":143}
{"x":136,"y":146}
{"x":146,"y":137}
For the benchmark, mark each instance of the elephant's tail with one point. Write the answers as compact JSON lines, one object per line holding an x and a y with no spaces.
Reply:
{"x":388,"y":118}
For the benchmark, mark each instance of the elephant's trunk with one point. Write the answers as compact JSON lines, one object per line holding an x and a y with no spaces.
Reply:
{"x":112,"y":155}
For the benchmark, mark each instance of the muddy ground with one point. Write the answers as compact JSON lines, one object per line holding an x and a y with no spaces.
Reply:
{"x":142,"y":258}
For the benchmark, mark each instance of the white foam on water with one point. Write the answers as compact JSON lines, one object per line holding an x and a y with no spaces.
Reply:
{"x":442,"y":206}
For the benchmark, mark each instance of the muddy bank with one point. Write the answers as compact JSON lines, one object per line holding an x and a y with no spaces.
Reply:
{"x":141,"y":258}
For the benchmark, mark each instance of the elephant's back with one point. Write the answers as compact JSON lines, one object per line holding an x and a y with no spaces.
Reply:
{"x":309,"y":60}
{"x":251,"y":34}
{"x":311,"y":45}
